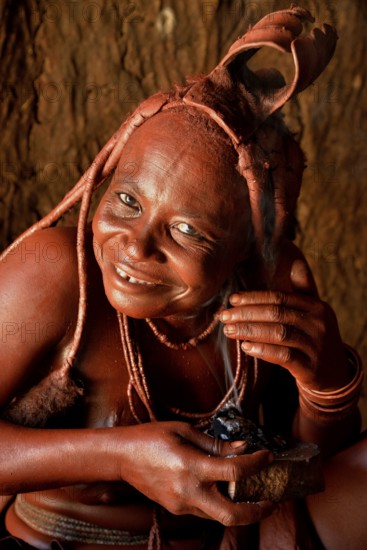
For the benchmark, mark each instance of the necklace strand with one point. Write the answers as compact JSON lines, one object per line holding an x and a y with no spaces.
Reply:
{"x":134,"y":362}
{"x":138,"y":381}
{"x":192,"y":343}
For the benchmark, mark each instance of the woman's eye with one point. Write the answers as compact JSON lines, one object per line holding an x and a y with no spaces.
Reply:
{"x":129,"y":201}
{"x":188,"y":229}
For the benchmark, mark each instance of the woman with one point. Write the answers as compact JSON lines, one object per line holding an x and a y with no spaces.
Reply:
{"x":111,"y":368}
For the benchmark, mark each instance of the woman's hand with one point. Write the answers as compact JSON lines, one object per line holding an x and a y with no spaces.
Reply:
{"x":295,"y":330}
{"x":178,"y":466}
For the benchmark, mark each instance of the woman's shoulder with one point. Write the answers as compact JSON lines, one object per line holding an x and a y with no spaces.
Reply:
{"x":39,"y":277}
{"x":46,"y":247}
{"x":38,"y":305}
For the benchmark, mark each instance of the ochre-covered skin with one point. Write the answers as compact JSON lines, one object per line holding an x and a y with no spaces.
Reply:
{"x":174,"y":233}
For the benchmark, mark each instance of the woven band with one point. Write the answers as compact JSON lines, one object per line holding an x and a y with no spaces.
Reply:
{"x":337,"y":404}
{"x":71,"y":529}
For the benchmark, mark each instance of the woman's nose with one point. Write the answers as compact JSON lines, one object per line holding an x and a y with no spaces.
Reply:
{"x":141,"y":248}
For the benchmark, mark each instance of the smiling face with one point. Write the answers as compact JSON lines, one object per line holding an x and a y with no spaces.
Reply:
{"x":173,"y":223}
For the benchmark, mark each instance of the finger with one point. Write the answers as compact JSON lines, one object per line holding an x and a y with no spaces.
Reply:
{"x":287,"y":357}
{"x":214,"y":446}
{"x":222,"y":509}
{"x":209,"y":502}
{"x":271,"y":333}
{"x":302,"y":279}
{"x":233,"y":468}
{"x":270,"y":313}
{"x":276,"y":297}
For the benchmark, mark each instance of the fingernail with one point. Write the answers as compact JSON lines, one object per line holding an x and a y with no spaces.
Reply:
{"x":234,"y":299}
{"x":246,"y":346}
{"x":230,"y":329}
{"x":225,"y":316}
{"x":237,"y":444}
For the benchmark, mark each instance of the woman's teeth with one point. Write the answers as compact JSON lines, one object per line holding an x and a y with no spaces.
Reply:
{"x":132,"y":280}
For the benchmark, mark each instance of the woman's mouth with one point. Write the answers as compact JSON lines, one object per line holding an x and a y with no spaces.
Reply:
{"x":132,"y":280}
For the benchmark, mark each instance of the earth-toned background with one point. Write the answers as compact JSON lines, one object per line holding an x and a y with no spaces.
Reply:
{"x":71,"y":71}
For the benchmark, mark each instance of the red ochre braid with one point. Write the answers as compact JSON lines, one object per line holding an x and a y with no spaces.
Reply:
{"x":138,"y":381}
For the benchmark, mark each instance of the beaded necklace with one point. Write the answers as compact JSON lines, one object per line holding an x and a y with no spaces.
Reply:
{"x":138,"y":382}
{"x":192,"y":343}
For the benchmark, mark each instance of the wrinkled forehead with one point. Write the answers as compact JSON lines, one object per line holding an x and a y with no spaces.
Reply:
{"x":178,"y":144}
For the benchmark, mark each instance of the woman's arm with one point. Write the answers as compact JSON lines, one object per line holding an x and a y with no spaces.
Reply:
{"x":171,"y":463}
{"x":291,"y":327}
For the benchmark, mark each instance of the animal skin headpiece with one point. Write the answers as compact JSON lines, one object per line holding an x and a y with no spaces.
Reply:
{"x":244,"y":104}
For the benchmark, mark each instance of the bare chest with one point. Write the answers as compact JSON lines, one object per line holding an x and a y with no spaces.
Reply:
{"x":189,"y":381}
